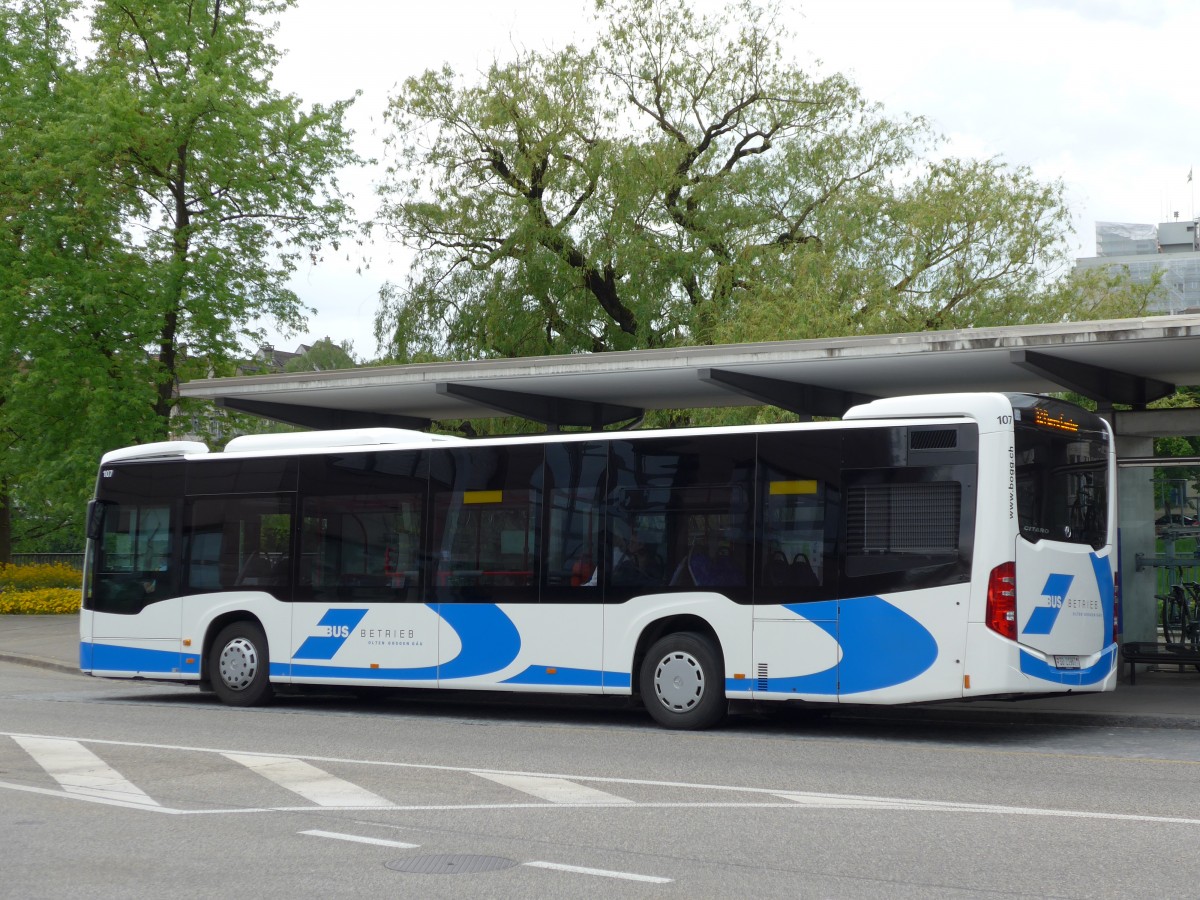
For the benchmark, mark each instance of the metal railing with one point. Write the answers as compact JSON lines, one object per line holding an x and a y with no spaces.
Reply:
{"x":75,"y":560}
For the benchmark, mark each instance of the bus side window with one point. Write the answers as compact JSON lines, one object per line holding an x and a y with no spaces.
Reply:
{"x":239,"y":543}
{"x":575,"y":490}
{"x":360,"y":547}
{"x":486,"y":505}
{"x":799,"y":505}
{"x":680,"y":516}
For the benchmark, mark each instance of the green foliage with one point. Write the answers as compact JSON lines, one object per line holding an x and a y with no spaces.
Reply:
{"x":681,"y":182}
{"x":153,"y":201}
{"x":323,"y":356}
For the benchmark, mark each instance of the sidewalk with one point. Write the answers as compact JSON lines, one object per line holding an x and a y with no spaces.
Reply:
{"x":1166,"y":699}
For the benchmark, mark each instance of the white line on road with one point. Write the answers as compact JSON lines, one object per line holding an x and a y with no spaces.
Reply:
{"x":794,"y":799}
{"x":603,"y":873}
{"x":80,"y":771}
{"x":359,"y":839}
{"x":308,"y":781}
{"x":556,"y":790}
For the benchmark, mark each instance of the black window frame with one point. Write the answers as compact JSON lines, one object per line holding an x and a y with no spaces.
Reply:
{"x":330,"y":476}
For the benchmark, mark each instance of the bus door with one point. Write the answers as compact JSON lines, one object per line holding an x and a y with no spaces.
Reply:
{"x":133,"y":524}
{"x":358,"y":613}
{"x":486,"y":505}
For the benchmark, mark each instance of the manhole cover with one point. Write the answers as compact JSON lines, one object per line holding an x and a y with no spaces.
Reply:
{"x":450,"y":864}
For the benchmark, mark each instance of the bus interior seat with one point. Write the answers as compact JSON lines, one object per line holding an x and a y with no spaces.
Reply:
{"x":257,"y":569}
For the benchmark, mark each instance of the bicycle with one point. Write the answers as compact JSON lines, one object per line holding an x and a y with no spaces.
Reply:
{"x":1181,"y":617}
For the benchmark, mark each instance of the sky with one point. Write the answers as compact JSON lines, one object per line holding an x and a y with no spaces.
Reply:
{"x":1096,"y":93}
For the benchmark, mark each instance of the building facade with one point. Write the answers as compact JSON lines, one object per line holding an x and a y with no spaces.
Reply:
{"x":1171,"y":248}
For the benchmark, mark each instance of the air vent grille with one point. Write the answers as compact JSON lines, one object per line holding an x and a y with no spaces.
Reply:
{"x":933,"y":439}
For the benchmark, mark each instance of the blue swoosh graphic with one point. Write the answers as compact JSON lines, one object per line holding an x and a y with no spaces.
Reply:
{"x":882,"y":646}
{"x":1102,"y":566}
{"x":1037,"y":668}
{"x":561,"y":676}
{"x":107,"y":657}
{"x":490,"y":640}
{"x":1031,"y":665}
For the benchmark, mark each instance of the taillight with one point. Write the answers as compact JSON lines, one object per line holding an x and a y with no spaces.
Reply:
{"x":1001,"y":614}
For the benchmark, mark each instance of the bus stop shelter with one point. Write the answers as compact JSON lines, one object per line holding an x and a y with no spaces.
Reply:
{"x":1123,"y":365}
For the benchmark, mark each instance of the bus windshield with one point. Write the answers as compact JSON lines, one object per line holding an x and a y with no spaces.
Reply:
{"x":1061,"y":474}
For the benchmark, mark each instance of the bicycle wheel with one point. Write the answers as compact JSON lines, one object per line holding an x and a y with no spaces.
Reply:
{"x":1173,"y":615}
{"x":1191,"y":634}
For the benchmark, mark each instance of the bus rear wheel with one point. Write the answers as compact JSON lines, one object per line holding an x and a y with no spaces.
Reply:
{"x":681,"y":682}
{"x":238,"y":665}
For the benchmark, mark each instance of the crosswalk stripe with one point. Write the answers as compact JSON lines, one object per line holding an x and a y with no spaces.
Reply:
{"x":80,"y":771}
{"x":602,"y":873}
{"x":311,"y":783}
{"x":360,"y":839}
{"x":556,"y":790}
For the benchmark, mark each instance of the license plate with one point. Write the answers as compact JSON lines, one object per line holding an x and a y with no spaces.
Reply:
{"x":1066,"y":662}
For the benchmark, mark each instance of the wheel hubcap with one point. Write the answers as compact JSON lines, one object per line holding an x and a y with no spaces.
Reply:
{"x":238,"y":664}
{"x":679,"y":681}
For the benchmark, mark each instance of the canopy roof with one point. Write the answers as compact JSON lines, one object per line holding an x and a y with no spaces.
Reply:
{"x":1123,"y":361}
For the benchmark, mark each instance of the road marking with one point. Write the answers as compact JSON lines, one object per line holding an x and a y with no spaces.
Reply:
{"x":603,"y":873}
{"x":556,"y":790}
{"x":837,"y":801}
{"x":779,"y":799}
{"x":359,"y":839}
{"x":80,"y":771}
{"x":308,"y":781}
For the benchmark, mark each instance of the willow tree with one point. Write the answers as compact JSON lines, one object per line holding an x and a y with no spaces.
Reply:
{"x":681,"y":180}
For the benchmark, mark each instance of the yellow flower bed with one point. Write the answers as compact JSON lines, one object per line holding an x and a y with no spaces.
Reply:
{"x":39,"y":590}
{"x":38,"y":575}
{"x":41,"y":602}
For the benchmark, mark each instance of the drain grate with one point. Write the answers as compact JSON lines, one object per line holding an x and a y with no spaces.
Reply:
{"x":450,"y":864}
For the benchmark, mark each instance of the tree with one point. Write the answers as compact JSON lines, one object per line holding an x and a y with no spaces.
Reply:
{"x":322,"y":356}
{"x":229,"y":182}
{"x":153,"y":201}
{"x":69,"y":327}
{"x":682,"y":182}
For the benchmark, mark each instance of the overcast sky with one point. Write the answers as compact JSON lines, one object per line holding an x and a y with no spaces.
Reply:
{"x":1098,"y":93}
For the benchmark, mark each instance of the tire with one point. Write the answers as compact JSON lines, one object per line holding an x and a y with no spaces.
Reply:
{"x":1174,"y":617}
{"x":682,"y":682}
{"x":238,"y":666}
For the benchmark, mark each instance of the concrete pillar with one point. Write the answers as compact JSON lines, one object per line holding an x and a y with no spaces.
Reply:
{"x":1135,"y":529}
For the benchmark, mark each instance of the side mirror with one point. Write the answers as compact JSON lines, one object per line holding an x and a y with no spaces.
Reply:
{"x":95,"y":519}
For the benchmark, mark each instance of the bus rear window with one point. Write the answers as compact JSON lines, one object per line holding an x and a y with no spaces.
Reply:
{"x":1061,"y":479}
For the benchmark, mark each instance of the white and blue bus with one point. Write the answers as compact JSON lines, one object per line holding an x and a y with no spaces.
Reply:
{"x":923,"y":548}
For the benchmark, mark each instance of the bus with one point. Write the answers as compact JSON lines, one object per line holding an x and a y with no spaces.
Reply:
{"x":926,"y":548}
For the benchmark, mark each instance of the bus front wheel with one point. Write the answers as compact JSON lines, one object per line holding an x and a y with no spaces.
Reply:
{"x":681,"y":683}
{"x":238,"y":665}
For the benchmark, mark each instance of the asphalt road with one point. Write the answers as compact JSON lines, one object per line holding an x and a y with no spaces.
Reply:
{"x":126,"y":789}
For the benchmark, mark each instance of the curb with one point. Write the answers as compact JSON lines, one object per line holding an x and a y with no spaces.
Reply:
{"x":39,"y":662}
{"x":1043,"y":718}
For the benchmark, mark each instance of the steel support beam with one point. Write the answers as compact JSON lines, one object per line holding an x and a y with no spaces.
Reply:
{"x":321,"y":419}
{"x":553,"y":412}
{"x":803,"y":399}
{"x":1095,"y":383}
